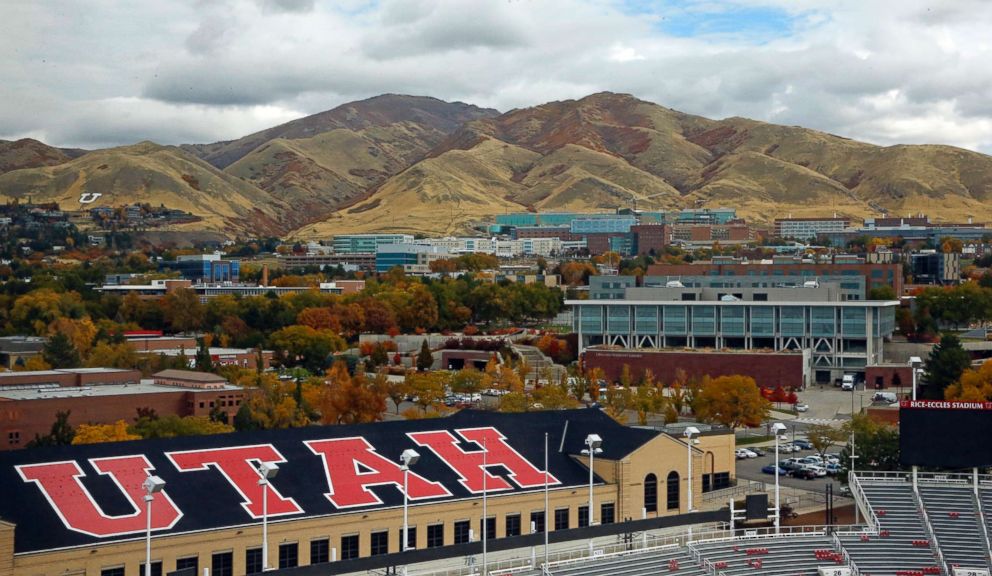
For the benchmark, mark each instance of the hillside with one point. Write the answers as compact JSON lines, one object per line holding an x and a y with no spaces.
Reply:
{"x":29,"y":153}
{"x":158,"y":175}
{"x":605,"y":150}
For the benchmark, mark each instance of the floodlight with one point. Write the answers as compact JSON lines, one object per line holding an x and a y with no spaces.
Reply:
{"x":153,"y":485}
{"x":594,"y":441}
{"x":915,"y":361}
{"x":778,"y":427}
{"x":409,"y":457}
{"x":268,"y":470}
{"x":691,"y":431}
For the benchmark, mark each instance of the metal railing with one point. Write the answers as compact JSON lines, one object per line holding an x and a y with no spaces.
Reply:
{"x":854,"y":481}
{"x":942,"y":565}
{"x":751,"y":487}
{"x":981,"y":520}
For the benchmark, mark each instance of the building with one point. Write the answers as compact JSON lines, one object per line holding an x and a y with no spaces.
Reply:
{"x":649,"y":238}
{"x":789,"y":369}
{"x":366,"y":243}
{"x":16,"y":350}
{"x":204,"y":268}
{"x":79,"y":510}
{"x":933,"y":267}
{"x":849,"y":287}
{"x":843,"y":336}
{"x":356,"y":260}
{"x":700,"y":235}
{"x":782,"y":267}
{"x":809,"y":228}
{"x":412,"y":258}
{"x":159,"y":288}
{"x":220,"y":356}
{"x":101,"y":395}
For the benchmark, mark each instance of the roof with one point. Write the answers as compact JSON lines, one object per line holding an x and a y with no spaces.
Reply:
{"x":207,"y":499}
{"x":101,"y":391}
{"x":21,"y":343}
{"x":190,"y":375}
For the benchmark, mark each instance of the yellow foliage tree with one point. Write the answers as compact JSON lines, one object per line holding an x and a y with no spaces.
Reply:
{"x":974,"y":385}
{"x":732,"y":401}
{"x":98,"y":433}
{"x":33,"y":363}
{"x":105,"y":355}
{"x":81,"y":332}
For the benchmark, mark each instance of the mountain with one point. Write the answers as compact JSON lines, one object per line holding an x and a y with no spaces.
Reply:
{"x":29,"y":153}
{"x":157,"y":175}
{"x":611,"y":150}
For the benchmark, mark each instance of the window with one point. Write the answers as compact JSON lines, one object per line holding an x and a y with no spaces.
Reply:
{"x":118,"y":571}
{"x":253,"y":561}
{"x":607,"y":513}
{"x":583,"y":516}
{"x":380,"y":543}
{"x":651,"y":493}
{"x":289,"y":555}
{"x":760,"y":297}
{"x":156,"y":569}
{"x":320,"y":551}
{"x":14,"y":437}
{"x":537,"y":521}
{"x":349,"y":547}
{"x":222,"y":564}
{"x":462,"y":529}
{"x":411,"y":537}
{"x":435,"y":535}
{"x":513,"y":525}
{"x":561,"y":519}
{"x":673,"y":490}
{"x":490,"y":531}
{"x":191,"y":562}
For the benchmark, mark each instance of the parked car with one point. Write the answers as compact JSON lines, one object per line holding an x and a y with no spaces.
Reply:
{"x":832,"y":468}
{"x":803,"y":444}
{"x":820,"y":471}
{"x":805,"y":473}
{"x":847,"y":382}
{"x":788,"y":448}
{"x":758,"y":451}
{"x":770,"y":469}
{"x":802,"y":407}
{"x":814,"y":460}
{"x":742,"y":453}
{"x":789,"y":464}
{"x":831,"y":459}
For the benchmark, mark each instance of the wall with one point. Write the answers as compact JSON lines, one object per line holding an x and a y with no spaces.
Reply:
{"x":767,"y":369}
{"x":6,"y":549}
{"x":889,"y":376}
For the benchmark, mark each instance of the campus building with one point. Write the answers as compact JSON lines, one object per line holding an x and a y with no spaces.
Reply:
{"x":412,"y":258}
{"x":338,"y":492}
{"x":809,"y":228}
{"x":842,"y":335}
{"x":366,"y":243}
{"x":204,"y":268}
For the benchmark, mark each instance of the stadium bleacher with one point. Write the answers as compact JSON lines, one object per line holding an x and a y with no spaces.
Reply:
{"x":896,"y":541}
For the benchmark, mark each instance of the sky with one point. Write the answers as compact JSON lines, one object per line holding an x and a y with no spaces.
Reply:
{"x":99,"y":73}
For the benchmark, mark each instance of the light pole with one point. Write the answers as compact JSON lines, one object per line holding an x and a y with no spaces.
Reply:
{"x":914,"y":364}
{"x":267,"y":471}
{"x":152,"y":485}
{"x":689,"y":432}
{"x":485,"y":509}
{"x":409,"y":457}
{"x":593,"y":447}
{"x":777,"y":429}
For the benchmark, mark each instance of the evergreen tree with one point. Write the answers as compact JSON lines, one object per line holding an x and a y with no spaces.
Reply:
{"x":203,"y":361}
{"x":60,"y":353}
{"x":243,"y":420}
{"x":61,"y":433}
{"x":424,"y":359}
{"x":946,"y":362}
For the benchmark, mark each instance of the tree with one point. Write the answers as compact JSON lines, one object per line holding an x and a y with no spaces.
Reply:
{"x":243,"y":420}
{"x":61,"y":433}
{"x":347,"y":399}
{"x":823,"y":437}
{"x":424,"y":359}
{"x":80,"y":332}
{"x":427,"y":389}
{"x":105,"y":355}
{"x":732,"y":401}
{"x":975,"y":385}
{"x":305,"y":346}
{"x":172,"y":426}
{"x":876,"y":446}
{"x":397,"y":390}
{"x":947,"y":361}
{"x":182,"y":310}
{"x":97,"y":433}
{"x":204,"y":363}
{"x":882,"y":293}
{"x":60,"y":353}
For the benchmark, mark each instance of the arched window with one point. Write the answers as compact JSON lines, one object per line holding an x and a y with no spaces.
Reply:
{"x":651,"y":493}
{"x":673,"y":490}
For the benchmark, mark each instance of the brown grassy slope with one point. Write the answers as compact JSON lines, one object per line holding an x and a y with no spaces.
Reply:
{"x":29,"y":153}
{"x":437,"y":196}
{"x":436,"y":117}
{"x":147,"y":172}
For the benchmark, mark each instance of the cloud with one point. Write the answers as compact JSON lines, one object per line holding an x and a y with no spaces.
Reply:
{"x":195,"y":70}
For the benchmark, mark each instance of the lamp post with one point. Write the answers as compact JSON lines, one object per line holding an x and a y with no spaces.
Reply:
{"x":152,"y":485}
{"x":485,"y":508}
{"x":409,"y":457}
{"x":593,"y":447}
{"x":914,"y":364}
{"x":777,"y":429}
{"x":267,"y":471}
{"x":689,"y":432}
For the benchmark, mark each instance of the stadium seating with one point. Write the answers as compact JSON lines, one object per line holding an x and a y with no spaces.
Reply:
{"x":902,"y":543}
{"x":955,"y":522}
{"x":674,"y":561}
{"x":784,"y":556}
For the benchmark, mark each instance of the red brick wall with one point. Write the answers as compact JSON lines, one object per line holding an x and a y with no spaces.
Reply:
{"x":126,"y":377}
{"x":768,"y":370}
{"x":886,"y":375}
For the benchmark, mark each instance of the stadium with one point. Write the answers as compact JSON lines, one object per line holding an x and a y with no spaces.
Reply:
{"x":337,"y":506}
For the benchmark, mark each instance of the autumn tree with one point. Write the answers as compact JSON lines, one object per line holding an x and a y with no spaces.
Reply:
{"x":98,"y":433}
{"x":733,"y":401}
{"x":397,"y":390}
{"x":823,"y":437}
{"x":347,"y":399}
{"x":182,"y":310}
{"x":975,"y":385}
{"x":80,"y":332}
{"x":427,"y":389}
{"x":305,"y":346}
{"x":172,"y":426}
{"x":106,"y":355}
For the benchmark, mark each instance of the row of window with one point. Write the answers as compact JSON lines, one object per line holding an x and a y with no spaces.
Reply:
{"x":320,"y":549}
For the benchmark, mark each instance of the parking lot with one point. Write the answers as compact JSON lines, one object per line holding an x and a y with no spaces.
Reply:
{"x":750,"y":469}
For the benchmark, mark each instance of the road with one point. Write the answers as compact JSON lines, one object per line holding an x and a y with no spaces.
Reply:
{"x":750,"y":469}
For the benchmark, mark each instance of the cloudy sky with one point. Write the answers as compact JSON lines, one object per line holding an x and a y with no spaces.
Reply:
{"x":96,"y":73}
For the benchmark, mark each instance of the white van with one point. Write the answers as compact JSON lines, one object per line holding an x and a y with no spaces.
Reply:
{"x":887,"y":397}
{"x":847,"y":382}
